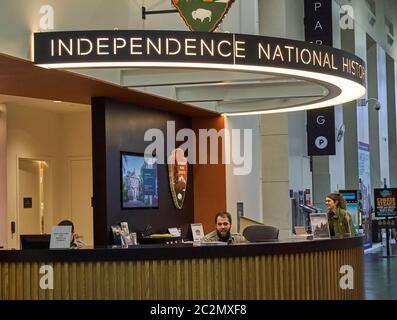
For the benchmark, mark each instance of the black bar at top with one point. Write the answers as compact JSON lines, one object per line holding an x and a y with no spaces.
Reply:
{"x":145,"y":13}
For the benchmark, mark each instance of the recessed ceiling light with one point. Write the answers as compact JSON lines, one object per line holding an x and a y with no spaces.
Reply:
{"x":57,"y":101}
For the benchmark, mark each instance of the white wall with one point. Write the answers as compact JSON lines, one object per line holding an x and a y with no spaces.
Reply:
{"x":281,"y":18}
{"x":44,"y":135}
{"x":31,"y":135}
{"x":77,"y":144}
{"x":242,"y":18}
{"x":247,"y":188}
{"x":3,"y":175}
{"x":28,"y":182}
{"x":271,"y":18}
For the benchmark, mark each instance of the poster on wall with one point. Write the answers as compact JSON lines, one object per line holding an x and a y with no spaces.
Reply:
{"x":177,"y":171}
{"x":364,"y":173}
{"x":385,"y":202}
{"x":139,"y":186}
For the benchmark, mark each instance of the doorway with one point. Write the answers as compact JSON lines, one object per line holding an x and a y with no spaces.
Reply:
{"x":33,"y":184}
{"x":80,"y":171}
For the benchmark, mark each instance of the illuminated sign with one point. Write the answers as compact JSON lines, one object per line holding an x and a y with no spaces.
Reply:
{"x":342,"y":73}
{"x":385,"y":202}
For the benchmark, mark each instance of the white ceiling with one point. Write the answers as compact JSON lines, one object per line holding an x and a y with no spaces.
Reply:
{"x":223,"y":91}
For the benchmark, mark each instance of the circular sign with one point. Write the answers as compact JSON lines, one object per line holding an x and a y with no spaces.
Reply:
{"x":321,"y":142}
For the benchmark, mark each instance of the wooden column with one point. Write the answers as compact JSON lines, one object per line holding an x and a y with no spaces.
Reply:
{"x":209,"y":179}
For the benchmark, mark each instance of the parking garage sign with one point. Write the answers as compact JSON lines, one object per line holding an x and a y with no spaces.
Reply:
{"x":320,"y":123}
{"x":321,"y":132}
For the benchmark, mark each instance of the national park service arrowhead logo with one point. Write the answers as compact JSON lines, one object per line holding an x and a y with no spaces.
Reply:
{"x":202,"y":15}
{"x":177,"y":170}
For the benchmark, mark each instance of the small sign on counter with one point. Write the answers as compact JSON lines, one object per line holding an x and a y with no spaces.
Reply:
{"x":197,"y":231}
{"x":61,"y":237}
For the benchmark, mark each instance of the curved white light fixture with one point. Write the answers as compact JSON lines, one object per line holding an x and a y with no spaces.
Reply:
{"x":349,"y":90}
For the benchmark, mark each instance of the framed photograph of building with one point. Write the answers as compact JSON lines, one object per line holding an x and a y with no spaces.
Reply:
{"x":320,"y":226}
{"x":139,"y":182}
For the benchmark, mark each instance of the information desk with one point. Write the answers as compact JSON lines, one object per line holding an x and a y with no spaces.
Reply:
{"x":294,"y":269}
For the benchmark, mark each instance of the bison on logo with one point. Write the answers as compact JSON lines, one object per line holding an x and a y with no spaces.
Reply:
{"x":202,"y":15}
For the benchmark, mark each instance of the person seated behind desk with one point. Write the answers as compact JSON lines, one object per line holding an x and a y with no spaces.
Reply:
{"x":75,"y":243}
{"x":223,"y":224}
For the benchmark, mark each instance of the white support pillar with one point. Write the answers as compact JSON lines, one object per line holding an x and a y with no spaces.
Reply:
{"x":245,"y":188}
{"x":391,"y":114}
{"x":275,"y":179}
{"x":393,"y":124}
{"x":284,"y":162}
{"x":383,"y":116}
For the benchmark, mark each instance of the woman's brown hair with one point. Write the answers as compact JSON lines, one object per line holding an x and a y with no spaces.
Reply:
{"x":338,"y":197}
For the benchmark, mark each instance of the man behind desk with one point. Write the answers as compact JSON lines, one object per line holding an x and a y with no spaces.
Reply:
{"x":223,"y":224}
{"x":75,"y":243}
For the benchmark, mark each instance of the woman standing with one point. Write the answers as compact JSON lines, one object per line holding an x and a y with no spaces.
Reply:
{"x":340,"y":221}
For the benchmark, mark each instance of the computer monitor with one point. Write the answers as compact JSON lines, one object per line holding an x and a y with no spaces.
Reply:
{"x":35,"y":241}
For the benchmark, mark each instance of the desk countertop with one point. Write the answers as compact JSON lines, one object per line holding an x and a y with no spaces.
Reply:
{"x":179,"y":251}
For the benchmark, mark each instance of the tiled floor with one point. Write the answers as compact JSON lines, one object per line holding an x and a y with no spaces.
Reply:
{"x":380,"y":275}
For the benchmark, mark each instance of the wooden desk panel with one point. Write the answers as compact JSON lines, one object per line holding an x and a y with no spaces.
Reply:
{"x":310,"y":275}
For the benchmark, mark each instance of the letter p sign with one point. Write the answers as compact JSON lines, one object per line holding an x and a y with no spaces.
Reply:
{"x":321,"y":142}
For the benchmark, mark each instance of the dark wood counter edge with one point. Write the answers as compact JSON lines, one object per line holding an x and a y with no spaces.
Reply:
{"x":177,"y":252}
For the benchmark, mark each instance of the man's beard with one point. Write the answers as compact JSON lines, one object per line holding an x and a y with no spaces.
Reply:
{"x":224,"y":238}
